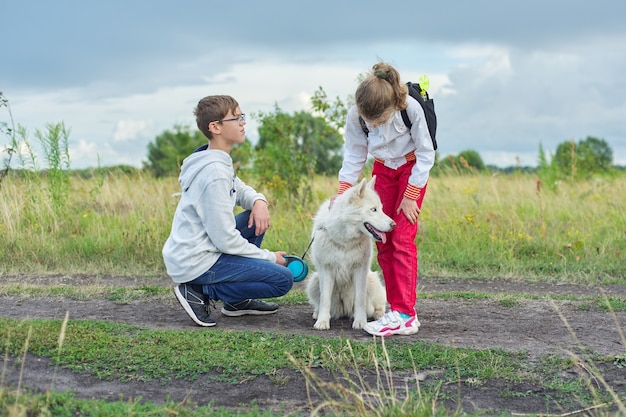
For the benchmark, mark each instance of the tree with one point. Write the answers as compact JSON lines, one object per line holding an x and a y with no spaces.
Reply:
{"x":588,"y":157}
{"x":292,"y":148}
{"x":166,"y":154}
{"x":595,"y":155}
{"x":334,"y":113}
{"x":320,"y":143}
{"x":565,"y":159}
{"x":472,"y":160}
{"x":242,"y":155}
{"x":465,"y":161}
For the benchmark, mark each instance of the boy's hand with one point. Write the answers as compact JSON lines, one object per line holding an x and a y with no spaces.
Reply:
{"x":260,"y":216}
{"x":280,"y":258}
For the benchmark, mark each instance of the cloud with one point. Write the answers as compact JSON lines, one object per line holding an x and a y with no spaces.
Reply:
{"x":505,"y":76}
{"x":518,"y":98}
{"x":131,"y":129}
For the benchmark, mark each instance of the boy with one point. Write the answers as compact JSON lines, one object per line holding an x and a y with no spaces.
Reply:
{"x":211,"y":254}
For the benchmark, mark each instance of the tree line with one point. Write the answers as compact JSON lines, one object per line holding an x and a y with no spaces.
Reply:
{"x":293,"y":148}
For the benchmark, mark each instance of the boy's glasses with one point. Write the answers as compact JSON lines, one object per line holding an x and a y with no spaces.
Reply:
{"x":239,"y":119}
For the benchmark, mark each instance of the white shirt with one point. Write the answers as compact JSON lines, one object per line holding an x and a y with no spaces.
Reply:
{"x":389,"y":142}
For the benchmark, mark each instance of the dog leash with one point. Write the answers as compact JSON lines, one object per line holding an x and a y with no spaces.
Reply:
{"x":311,"y":242}
{"x":308,"y":247}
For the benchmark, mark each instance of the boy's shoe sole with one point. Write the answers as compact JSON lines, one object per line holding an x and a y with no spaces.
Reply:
{"x":249,"y":307}
{"x":182,"y":299}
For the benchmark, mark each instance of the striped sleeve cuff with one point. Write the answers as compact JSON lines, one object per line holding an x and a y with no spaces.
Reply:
{"x":412,"y":192}
{"x":343,"y":186}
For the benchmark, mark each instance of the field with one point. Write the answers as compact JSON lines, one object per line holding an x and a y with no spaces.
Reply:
{"x":522,"y":300}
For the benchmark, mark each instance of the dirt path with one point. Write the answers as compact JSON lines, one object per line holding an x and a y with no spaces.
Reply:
{"x":530,"y":325}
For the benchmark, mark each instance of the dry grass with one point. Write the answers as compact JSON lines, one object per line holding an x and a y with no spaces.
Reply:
{"x":501,"y":226}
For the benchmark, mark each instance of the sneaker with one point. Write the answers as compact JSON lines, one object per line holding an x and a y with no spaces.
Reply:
{"x":392,"y":323}
{"x":249,"y":306}
{"x":195,"y":305}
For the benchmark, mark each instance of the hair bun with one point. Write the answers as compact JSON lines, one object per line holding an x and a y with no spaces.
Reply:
{"x":382,"y":74}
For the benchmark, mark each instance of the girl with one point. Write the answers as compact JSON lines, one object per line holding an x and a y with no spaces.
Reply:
{"x":403,"y":159}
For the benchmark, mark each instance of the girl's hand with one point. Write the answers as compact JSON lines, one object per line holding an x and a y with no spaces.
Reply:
{"x":332,"y":201}
{"x":410,"y":209}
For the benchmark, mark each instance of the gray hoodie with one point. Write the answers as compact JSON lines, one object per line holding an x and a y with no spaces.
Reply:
{"x":204,"y":222}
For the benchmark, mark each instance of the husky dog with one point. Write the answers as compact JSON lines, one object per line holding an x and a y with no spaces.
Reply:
{"x":341,"y":252}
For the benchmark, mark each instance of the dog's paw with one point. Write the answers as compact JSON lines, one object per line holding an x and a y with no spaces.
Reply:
{"x":322,"y":325}
{"x":378,"y":313}
{"x":358,"y":324}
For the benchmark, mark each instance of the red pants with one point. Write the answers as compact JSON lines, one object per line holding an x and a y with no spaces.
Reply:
{"x":398,"y":256}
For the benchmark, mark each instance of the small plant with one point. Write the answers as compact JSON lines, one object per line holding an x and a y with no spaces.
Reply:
{"x":55,"y":142}
{"x":353,"y":393}
{"x":508,"y":302}
{"x":593,"y":378}
{"x":10,"y":132}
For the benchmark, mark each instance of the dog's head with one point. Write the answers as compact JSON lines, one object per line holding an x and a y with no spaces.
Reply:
{"x":370,"y":211}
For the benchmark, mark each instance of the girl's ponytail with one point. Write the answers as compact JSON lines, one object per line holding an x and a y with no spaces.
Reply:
{"x":380,"y":92}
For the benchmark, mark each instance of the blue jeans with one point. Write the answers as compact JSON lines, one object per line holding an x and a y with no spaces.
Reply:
{"x":236,"y":278}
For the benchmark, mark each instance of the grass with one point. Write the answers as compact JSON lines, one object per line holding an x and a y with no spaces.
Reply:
{"x":478,"y":226}
{"x":123,"y":295}
{"x":113,"y":351}
{"x":124,"y":352}
{"x":66,"y":404}
{"x":498,"y":227}
{"x":511,"y":227}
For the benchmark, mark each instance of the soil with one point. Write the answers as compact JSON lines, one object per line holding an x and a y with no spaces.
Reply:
{"x":531,"y":325}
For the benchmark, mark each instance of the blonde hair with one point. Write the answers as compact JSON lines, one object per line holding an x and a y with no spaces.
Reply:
{"x":380,"y":93}
{"x":211,"y":109}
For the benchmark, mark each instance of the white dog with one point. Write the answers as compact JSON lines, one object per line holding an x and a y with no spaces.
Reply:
{"x":341,"y":252}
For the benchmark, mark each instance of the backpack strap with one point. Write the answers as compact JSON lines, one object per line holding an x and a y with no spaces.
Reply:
{"x":364,"y":126}
{"x":427,"y":105}
{"x":405,"y":119}
{"x":403,"y":113}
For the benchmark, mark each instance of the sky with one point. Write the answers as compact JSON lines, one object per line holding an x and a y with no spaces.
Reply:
{"x":507,"y":77}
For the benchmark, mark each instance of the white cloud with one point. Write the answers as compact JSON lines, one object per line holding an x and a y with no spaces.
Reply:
{"x":501,"y":84}
{"x":131,"y":129}
{"x":84,"y":151}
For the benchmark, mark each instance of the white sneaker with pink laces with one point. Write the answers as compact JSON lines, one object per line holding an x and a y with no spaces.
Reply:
{"x":391,"y":324}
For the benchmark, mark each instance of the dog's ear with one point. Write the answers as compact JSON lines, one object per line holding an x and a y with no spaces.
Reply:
{"x":372,"y":182}
{"x":359,"y":189}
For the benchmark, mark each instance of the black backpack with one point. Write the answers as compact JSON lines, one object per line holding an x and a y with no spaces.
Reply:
{"x":428,"y":105}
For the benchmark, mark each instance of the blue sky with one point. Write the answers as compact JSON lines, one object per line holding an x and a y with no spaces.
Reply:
{"x":506,"y":76}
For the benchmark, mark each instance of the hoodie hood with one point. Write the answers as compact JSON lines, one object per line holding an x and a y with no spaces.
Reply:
{"x":198,"y":161}
{"x":204,"y":225}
